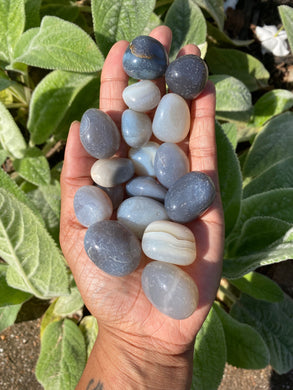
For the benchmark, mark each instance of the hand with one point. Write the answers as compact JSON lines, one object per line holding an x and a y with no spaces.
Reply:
{"x":156,"y":350}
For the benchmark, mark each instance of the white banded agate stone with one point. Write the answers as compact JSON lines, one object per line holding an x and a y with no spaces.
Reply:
{"x":171,"y":121}
{"x":136,"y":128}
{"x":110,"y":172}
{"x":92,"y":204}
{"x":138,"y":212}
{"x":171,"y":290}
{"x":169,"y":242}
{"x":142,"y":96}
{"x":143,"y":158}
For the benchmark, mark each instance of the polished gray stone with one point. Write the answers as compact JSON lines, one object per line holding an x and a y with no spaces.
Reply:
{"x":136,"y":128}
{"x":142,"y":96}
{"x":171,"y":290}
{"x":112,"y":171}
{"x":189,"y":197}
{"x":112,"y":247}
{"x":116,"y":194}
{"x":143,"y":158}
{"x":146,"y":186}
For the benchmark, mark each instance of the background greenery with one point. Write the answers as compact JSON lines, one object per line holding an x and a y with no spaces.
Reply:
{"x":51,"y":56}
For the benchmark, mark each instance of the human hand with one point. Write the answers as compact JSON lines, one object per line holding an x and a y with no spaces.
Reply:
{"x":156,"y":350}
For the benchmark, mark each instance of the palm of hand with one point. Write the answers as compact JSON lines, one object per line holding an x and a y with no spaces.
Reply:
{"x":119,"y":304}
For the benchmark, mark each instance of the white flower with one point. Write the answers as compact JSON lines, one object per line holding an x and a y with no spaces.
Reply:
{"x":272,"y":40}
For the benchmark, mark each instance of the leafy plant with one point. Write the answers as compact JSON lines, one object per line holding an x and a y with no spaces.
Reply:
{"x":50,"y":68}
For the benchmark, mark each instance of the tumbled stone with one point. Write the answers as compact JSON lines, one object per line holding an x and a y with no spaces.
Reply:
{"x":170,"y":163}
{"x":142,"y":96}
{"x":143,"y":158}
{"x":170,"y":242}
{"x":116,"y":194}
{"x":171,"y":121}
{"x":99,"y":134}
{"x":189,"y":197}
{"x":91,"y":204}
{"x":187,"y":76}
{"x":146,"y":186}
{"x":136,"y":128}
{"x":145,"y":58}
{"x":112,"y":247}
{"x":112,"y":171}
{"x":138,"y":212}
{"x":171,"y":290}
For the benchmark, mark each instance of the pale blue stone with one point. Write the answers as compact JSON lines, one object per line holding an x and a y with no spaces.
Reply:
{"x":112,"y":247}
{"x":171,"y":121}
{"x":112,"y":171}
{"x":146,"y":186}
{"x":116,"y":194}
{"x":189,"y":197}
{"x":99,"y":134}
{"x":136,"y":128}
{"x":143,"y":158}
{"x":142,"y":96}
{"x":171,"y":290}
{"x":170,"y":163}
{"x":138,"y":212}
{"x":91,"y":204}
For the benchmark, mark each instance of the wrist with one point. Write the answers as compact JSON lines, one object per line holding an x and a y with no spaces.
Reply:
{"x":137,"y":363}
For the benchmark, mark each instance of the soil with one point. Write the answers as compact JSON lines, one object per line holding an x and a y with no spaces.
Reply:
{"x":20,"y":343}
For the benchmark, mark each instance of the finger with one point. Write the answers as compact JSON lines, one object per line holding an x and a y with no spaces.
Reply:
{"x":189,"y":49}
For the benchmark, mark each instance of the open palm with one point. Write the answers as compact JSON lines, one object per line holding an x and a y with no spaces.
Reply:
{"x":119,"y":303}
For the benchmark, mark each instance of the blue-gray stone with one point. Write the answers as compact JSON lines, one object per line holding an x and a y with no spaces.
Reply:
{"x":146,"y":186}
{"x":187,"y":76}
{"x":189,"y":197}
{"x":112,"y":247}
{"x":145,"y":58}
{"x":171,"y":290}
{"x":109,"y":172}
{"x":170,"y":163}
{"x":99,"y":134}
{"x":136,"y":128}
{"x":116,"y":194}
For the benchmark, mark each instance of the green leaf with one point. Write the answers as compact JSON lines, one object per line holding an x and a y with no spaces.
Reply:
{"x":69,"y":304}
{"x":245,"y":346}
{"x":286,"y":14}
{"x":46,"y":199}
{"x":209,"y":354}
{"x":230,"y":129}
{"x":5,"y":81}
{"x":48,"y":317}
{"x":89,"y":327}
{"x":273,"y":144}
{"x":279,"y":175}
{"x":36,"y":264}
{"x":274,"y":322}
{"x":271,"y":104}
{"x":51,"y":100}
{"x":259,"y":286}
{"x":215,"y":9}
{"x":240,"y":65}
{"x":233,"y":98}
{"x":32,"y":13}
{"x":10,"y":296}
{"x":120,"y":19}
{"x":11,"y":138}
{"x":67,"y":12}
{"x":230,"y":179}
{"x":8,"y":315}
{"x":62,"y":45}
{"x":187,"y":23}
{"x":24,"y":41}
{"x":63,"y":356}
{"x":222,"y":39}
{"x":12,"y":20}
{"x":153,"y":22}
{"x":33,"y":167}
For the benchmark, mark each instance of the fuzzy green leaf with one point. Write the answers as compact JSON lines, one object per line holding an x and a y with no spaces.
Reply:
{"x":32,"y":13}
{"x":230,"y":179}
{"x":63,"y":356}
{"x":69,"y":304}
{"x":286,"y":14}
{"x":12,"y":20}
{"x":51,"y":101}
{"x":8,"y":315}
{"x":245,"y":346}
{"x":187,"y":23}
{"x":120,"y":19}
{"x":230,"y":129}
{"x":10,"y":296}
{"x":273,"y":144}
{"x":36,"y":264}
{"x":11,"y":138}
{"x":33,"y":167}
{"x":259,"y":286}
{"x":274,"y":322}
{"x":89,"y":327}
{"x":62,"y":45}
{"x":240,"y":65}
{"x":215,"y":9}
{"x":209,"y":354}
